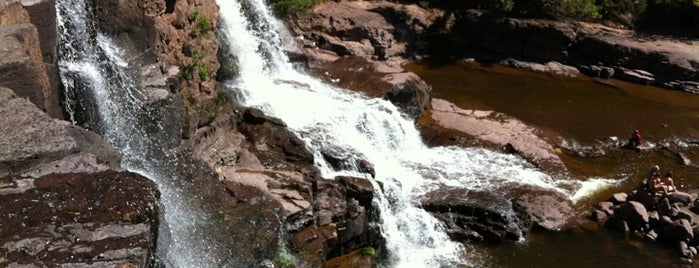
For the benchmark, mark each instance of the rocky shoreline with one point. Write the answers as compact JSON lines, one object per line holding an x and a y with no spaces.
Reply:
{"x":67,"y":188}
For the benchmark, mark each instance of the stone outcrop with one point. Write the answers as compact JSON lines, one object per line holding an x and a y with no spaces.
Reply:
{"x":339,"y":33}
{"x":34,"y":145}
{"x":65,"y":198}
{"x":592,"y":48}
{"x":394,"y":32}
{"x":493,"y":217}
{"x":21,"y":62}
{"x":107,"y":219}
{"x":174,"y":44}
{"x":263,"y":165}
{"x":42,"y":14}
{"x":502,"y":131}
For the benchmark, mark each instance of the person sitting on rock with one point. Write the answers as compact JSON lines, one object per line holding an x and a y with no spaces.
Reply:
{"x":665,"y":185}
{"x":635,"y":139}
{"x":653,"y":178}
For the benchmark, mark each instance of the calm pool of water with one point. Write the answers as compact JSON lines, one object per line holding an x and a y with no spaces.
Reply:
{"x":580,"y":110}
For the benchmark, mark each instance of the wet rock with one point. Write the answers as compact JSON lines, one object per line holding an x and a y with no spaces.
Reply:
{"x":635,"y":76}
{"x":409,"y":93}
{"x":549,"y":67}
{"x":177,"y":52}
{"x":462,"y":211}
{"x":275,"y":146}
{"x":104,"y":218}
{"x":543,"y":209}
{"x":365,"y":257}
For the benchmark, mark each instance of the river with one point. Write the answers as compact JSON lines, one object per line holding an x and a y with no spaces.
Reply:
{"x":582,"y":110}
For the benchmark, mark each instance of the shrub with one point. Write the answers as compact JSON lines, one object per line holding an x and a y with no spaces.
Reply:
{"x":292,"y":6}
{"x":626,"y":12}
{"x":558,"y":9}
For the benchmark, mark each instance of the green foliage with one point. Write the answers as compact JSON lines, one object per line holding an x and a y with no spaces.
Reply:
{"x":369,"y":251}
{"x":194,"y":15}
{"x":559,"y":9}
{"x":202,"y":24}
{"x":204,"y":72}
{"x":283,"y":259}
{"x":293,"y":6}
{"x":622,"y":11}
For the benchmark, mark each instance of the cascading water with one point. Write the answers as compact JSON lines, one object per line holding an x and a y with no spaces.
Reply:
{"x":100,"y":89}
{"x":101,"y":95}
{"x":334,"y":120}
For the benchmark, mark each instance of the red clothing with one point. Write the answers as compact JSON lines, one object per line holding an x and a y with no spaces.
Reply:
{"x":636,"y":139}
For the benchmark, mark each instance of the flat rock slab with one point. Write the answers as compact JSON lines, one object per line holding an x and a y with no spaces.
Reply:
{"x":499,"y":129}
{"x":103,"y":219}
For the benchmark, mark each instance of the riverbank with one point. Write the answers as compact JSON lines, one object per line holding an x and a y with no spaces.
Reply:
{"x":585,"y":88}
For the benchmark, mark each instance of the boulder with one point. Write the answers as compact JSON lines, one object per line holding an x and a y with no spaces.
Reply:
{"x":679,"y":231}
{"x":409,"y":93}
{"x":549,"y":211}
{"x":619,"y":198}
{"x":488,"y":215}
{"x":680,"y":197}
{"x":606,"y":207}
{"x":634,"y":214}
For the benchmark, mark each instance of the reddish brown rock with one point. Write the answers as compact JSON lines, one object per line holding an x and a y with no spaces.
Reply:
{"x":546,"y":210}
{"x":106,"y":219}
{"x":501,"y":130}
{"x":21,"y":63}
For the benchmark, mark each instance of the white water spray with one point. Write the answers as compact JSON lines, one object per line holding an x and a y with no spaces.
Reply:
{"x":100,"y":88}
{"x":357,"y":127}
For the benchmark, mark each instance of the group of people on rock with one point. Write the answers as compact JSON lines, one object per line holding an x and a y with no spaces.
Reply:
{"x":660,"y":184}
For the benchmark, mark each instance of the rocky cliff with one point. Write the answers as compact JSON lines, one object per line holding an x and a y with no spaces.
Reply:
{"x":66,"y":201}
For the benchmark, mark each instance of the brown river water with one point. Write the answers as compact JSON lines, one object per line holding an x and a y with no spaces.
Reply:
{"x":581,"y":110}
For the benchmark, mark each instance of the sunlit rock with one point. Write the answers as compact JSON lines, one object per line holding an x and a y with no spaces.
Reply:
{"x":502,"y":130}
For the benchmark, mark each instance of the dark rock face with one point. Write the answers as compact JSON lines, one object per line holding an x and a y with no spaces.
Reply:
{"x":493,"y":218}
{"x":594,"y":49}
{"x":106,"y":219}
{"x":267,"y":171}
{"x":474,"y":216}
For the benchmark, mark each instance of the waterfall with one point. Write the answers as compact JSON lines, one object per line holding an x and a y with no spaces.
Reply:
{"x":103,"y":96}
{"x":331,"y":119}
